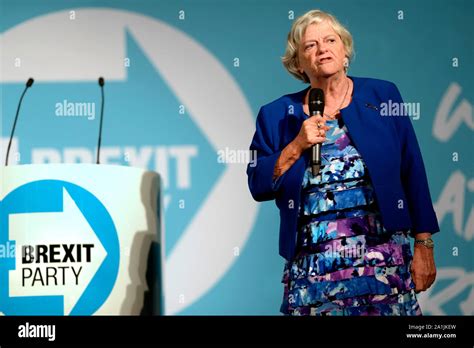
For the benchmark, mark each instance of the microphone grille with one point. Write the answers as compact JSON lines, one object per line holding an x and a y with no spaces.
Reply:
{"x":316,"y":94}
{"x":316,"y":100}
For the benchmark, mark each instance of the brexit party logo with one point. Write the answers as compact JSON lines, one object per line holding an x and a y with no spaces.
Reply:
{"x":60,"y":250}
{"x":171,"y":106}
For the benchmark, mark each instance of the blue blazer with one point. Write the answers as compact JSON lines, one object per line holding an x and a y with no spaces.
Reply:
{"x":387,"y":144}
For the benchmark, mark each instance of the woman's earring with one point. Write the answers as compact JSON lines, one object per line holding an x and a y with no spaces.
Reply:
{"x":346,"y":63}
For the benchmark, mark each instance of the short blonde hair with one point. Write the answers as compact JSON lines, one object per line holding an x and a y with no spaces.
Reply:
{"x":290,"y":59}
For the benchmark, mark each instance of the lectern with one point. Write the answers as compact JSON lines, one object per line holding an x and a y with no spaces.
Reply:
{"x":80,"y":239}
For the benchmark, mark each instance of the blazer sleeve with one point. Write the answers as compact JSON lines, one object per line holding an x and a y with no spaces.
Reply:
{"x":264,"y":144}
{"x":413,"y":174}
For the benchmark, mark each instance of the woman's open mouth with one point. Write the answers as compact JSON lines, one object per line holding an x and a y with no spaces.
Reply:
{"x":325,"y":60}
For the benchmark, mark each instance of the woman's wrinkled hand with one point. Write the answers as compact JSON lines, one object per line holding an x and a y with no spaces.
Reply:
{"x":310,"y":133}
{"x":423,"y":269}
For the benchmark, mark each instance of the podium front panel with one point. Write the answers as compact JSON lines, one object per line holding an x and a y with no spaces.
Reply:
{"x":78,"y":239}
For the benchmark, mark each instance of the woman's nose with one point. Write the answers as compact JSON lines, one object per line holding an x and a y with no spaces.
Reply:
{"x":322,"y":48}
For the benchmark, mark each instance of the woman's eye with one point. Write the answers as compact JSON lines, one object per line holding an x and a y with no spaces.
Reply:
{"x":332,"y":40}
{"x":309,"y":46}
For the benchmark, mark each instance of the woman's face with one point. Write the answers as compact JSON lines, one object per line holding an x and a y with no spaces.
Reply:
{"x":321,"y":52}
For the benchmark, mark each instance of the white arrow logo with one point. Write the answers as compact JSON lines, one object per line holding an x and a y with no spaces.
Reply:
{"x":71,"y":231}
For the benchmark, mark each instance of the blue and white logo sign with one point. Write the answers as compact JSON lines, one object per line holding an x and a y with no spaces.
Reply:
{"x":60,"y":253}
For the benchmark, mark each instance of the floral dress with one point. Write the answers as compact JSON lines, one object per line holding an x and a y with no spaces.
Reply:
{"x":346,"y":263}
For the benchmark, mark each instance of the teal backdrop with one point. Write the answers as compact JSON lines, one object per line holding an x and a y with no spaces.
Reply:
{"x":162,"y":61}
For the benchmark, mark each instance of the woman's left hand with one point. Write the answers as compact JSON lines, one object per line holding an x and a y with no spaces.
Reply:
{"x":423,"y":269}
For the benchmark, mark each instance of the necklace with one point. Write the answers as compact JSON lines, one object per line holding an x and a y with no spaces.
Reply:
{"x":339,"y":108}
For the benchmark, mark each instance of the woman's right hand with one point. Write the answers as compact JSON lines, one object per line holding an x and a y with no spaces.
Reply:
{"x":310,"y":134}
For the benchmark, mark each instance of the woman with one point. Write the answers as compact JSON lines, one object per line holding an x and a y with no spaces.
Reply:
{"x":344,"y":232}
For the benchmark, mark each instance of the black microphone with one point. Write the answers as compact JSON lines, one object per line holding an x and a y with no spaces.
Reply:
{"x":101,"y":84}
{"x":316,"y":107}
{"x":29,"y":83}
